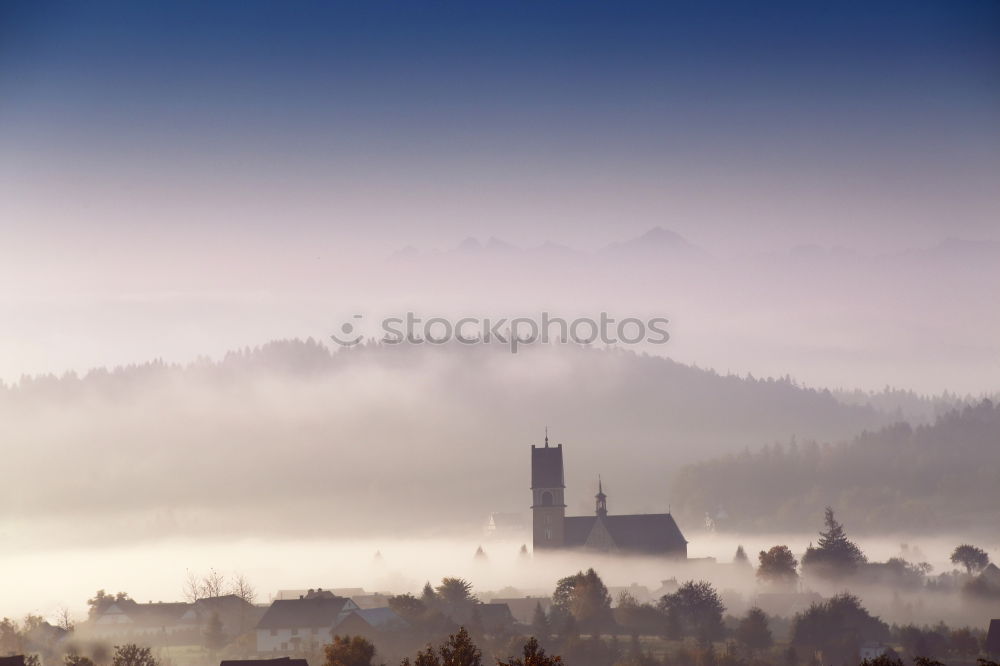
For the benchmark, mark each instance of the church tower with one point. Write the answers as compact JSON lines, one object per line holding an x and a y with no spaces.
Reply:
{"x":548,"y":507}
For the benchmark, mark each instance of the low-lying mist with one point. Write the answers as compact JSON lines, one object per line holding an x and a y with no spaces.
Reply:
{"x":65,"y":576}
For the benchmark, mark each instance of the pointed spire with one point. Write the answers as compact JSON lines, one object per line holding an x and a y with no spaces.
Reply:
{"x":546,"y":437}
{"x":602,"y":499}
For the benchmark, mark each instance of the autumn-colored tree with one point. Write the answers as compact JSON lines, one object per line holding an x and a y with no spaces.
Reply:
{"x":584,"y":597}
{"x":777,"y":567}
{"x":458,"y":650}
{"x":349,"y":651}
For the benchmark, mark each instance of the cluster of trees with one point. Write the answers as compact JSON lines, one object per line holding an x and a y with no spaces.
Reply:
{"x":581,"y":604}
{"x":896,"y":478}
{"x":837,"y":627}
{"x":834,"y":557}
{"x":695,"y":613}
{"x":837,"y":558}
{"x":583,"y":627}
{"x":458,"y":649}
{"x":433,"y":611}
{"x":129,"y":654}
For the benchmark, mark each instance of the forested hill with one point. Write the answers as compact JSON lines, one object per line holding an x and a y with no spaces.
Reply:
{"x":942,"y":476}
{"x":273,"y":438}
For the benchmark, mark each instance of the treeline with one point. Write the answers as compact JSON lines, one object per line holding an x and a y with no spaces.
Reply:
{"x":287,"y":411}
{"x":940,"y":476}
{"x":690,"y":626}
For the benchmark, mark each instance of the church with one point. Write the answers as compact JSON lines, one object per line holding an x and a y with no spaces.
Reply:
{"x":643,"y":534}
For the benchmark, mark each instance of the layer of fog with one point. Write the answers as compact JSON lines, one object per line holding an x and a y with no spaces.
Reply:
{"x":413,"y":440}
{"x":45,"y":581}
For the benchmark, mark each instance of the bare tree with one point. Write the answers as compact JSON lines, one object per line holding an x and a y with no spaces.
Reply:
{"x":212,"y":584}
{"x":241,"y":587}
{"x":64,"y":619}
{"x":192,"y":587}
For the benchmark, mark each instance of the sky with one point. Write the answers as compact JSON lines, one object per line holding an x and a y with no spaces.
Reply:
{"x":221,"y":150}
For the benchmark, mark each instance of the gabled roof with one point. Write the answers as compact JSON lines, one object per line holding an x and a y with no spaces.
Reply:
{"x":377,"y":618}
{"x":318,"y":612}
{"x":639,"y":533}
{"x":647,"y":533}
{"x":494,"y":617}
{"x":991,"y":574}
{"x":225,"y":602}
{"x":523,"y":608}
{"x":157,"y":614}
{"x":992,"y":643}
{"x":489,"y":615}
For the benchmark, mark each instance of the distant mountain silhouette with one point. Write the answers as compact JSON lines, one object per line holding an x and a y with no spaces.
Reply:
{"x":655,"y":243}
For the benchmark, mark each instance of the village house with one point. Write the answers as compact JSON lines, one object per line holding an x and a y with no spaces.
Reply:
{"x":173,"y":622}
{"x":236,"y":615}
{"x":128,"y":618}
{"x":301,"y":624}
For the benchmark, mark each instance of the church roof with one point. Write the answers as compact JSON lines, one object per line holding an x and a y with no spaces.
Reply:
{"x":651,"y":533}
{"x":577,"y":529}
{"x":638,"y":533}
{"x":547,"y":466}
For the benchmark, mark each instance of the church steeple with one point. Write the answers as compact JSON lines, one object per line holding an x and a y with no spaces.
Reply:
{"x":548,"y":506}
{"x":602,"y":499}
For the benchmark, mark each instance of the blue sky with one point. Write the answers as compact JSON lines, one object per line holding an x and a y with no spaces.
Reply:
{"x":904,"y":95}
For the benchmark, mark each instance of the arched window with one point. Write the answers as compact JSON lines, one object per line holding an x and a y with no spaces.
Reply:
{"x":546,"y":498}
